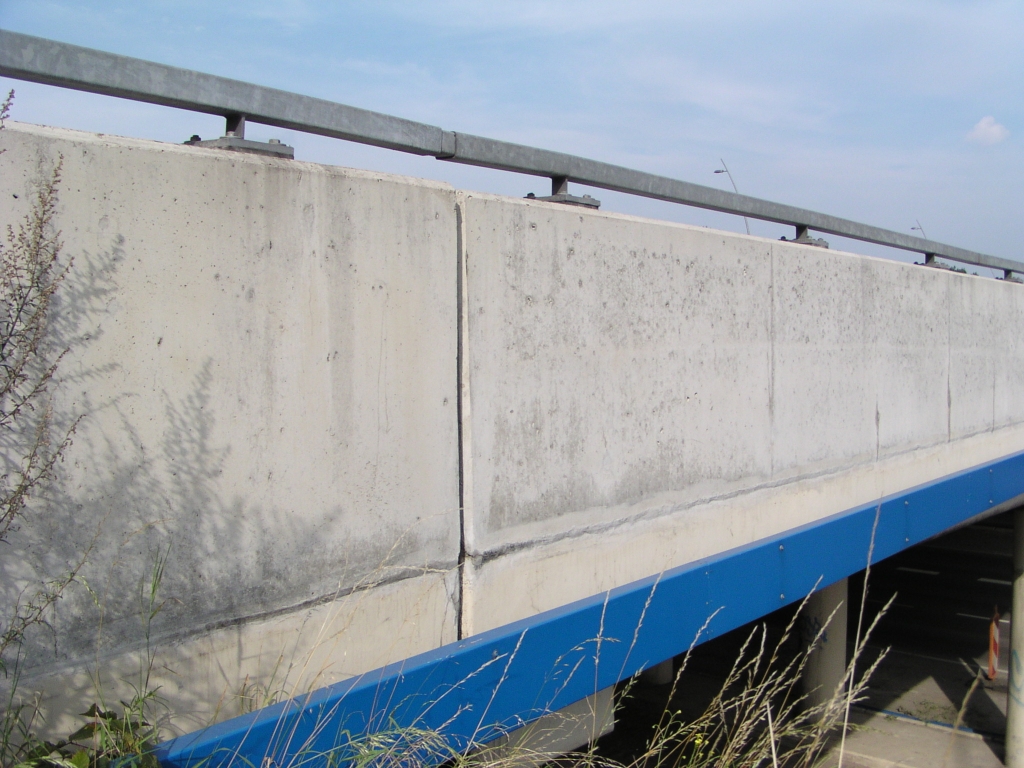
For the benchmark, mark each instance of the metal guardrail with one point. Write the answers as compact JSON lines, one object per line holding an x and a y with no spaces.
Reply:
{"x":70,"y":66}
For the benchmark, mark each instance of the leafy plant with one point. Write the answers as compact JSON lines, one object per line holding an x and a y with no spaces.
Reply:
{"x":109,"y":738}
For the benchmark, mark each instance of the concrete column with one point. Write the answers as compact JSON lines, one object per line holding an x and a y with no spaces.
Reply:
{"x":827,"y":663}
{"x":1015,"y":689}
{"x":660,"y":674}
{"x":554,"y":734}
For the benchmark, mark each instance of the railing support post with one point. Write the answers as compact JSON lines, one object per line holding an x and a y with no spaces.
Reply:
{"x":234,"y":126}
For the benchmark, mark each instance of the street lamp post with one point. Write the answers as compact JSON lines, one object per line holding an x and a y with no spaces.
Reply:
{"x":725,"y":169}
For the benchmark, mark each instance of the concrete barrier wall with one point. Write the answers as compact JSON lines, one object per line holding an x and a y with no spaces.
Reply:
{"x":643,"y":394}
{"x":269,"y":357}
{"x":263,"y":354}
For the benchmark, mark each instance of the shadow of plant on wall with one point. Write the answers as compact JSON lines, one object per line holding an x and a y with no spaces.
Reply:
{"x":159,"y":462}
{"x":226,"y":567}
{"x":48,"y":314}
{"x":129,"y":493}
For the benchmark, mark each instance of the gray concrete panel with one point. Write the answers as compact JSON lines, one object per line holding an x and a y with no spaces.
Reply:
{"x":971,"y":362}
{"x":610,"y":360}
{"x":620,"y":369}
{"x":860,"y":358}
{"x":263,"y":354}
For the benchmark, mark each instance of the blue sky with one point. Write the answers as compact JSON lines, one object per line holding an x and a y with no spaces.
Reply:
{"x":888,"y":112}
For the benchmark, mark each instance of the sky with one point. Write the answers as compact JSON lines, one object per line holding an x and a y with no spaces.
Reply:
{"x":896,"y":113}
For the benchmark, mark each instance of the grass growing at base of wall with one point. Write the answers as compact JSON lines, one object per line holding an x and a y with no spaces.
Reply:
{"x":758,"y":717}
{"x":122,"y":735}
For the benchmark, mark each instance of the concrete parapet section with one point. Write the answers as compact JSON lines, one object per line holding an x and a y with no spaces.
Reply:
{"x":641,"y":394}
{"x":272,"y":358}
{"x":263,"y":353}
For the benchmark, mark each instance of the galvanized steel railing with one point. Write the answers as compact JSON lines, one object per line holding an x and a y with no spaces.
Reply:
{"x":69,"y":66}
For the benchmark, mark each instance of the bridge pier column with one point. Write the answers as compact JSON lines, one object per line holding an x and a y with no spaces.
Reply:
{"x":660,"y":674}
{"x":826,"y":664}
{"x":1015,"y":689}
{"x":554,"y":734}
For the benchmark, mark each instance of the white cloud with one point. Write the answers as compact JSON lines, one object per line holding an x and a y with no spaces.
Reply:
{"x":988,"y":131}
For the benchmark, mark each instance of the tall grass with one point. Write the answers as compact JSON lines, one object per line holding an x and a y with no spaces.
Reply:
{"x":758,"y":717}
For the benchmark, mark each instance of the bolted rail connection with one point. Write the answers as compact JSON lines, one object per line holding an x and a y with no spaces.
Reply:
{"x":40,"y":60}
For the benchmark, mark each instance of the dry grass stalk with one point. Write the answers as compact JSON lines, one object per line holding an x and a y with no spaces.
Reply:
{"x":758,"y":717}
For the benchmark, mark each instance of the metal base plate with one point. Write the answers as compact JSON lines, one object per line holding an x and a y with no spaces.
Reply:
{"x":564,"y":197}
{"x":235,"y":144}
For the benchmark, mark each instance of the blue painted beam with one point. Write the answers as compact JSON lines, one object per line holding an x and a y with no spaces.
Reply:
{"x":474,"y":690}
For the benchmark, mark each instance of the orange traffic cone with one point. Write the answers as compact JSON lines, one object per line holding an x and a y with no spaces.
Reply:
{"x":993,"y":645}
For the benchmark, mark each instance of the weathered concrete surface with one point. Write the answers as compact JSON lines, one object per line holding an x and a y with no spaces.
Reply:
{"x":642,"y":394}
{"x":268,"y":362}
{"x":221,"y":672}
{"x":263,"y":353}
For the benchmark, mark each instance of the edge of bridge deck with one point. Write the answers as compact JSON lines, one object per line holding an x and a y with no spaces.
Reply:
{"x":474,"y":690}
{"x":40,"y":60}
